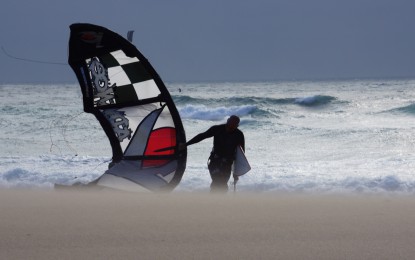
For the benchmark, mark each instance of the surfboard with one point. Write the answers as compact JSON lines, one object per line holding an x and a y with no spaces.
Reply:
{"x":241,"y":164}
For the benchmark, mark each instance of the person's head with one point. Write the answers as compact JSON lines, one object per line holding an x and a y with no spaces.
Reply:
{"x":232,"y":123}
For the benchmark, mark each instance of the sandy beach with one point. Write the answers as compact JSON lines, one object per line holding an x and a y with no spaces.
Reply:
{"x":36,"y":224}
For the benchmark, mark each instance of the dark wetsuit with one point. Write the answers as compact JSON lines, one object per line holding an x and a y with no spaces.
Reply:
{"x":223,"y":153}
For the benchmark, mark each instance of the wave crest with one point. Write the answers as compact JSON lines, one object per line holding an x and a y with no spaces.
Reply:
{"x":202,"y":112}
{"x":410,"y":109}
{"x":316,"y":100}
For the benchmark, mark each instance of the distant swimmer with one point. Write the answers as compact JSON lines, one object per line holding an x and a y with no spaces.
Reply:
{"x":226,"y":138}
{"x":180,"y":90}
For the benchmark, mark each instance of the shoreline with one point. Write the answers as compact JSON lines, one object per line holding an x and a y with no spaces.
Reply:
{"x":45,"y":224}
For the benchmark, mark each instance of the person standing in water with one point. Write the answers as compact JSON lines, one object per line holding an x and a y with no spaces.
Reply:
{"x":226,"y":138}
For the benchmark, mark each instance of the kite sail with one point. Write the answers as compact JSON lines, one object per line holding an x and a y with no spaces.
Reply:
{"x":133,"y":106}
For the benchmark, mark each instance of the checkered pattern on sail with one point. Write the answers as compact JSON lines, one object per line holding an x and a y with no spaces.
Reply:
{"x":119,"y":79}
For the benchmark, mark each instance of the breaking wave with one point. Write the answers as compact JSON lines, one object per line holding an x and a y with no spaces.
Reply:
{"x":316,"y":100}
{"x":203,"y":112}
{"x":410,"y":109}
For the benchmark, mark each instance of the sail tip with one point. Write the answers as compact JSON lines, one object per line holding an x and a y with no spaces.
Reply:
{"x":130,"y":35}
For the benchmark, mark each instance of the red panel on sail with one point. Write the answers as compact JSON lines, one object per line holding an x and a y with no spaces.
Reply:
{"x":160,"y":138}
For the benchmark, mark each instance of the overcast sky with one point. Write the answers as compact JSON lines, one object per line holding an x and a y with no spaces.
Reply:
{"x":220,"y":40}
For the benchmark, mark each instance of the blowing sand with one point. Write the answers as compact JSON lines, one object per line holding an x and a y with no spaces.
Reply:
{"x":121,"y":225}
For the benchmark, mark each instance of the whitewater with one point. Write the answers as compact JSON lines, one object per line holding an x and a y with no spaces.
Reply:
{"x":349,"y":136}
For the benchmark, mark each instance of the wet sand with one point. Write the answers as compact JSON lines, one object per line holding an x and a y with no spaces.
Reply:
{"x":36,"y":224}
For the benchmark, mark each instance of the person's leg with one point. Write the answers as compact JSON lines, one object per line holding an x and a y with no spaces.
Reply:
{"x":220,"y":179}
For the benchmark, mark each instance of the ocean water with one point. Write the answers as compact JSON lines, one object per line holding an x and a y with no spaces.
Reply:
{"x":353,"y":136}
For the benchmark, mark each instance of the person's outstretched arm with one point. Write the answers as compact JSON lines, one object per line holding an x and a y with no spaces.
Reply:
{"x":198,"y":138}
